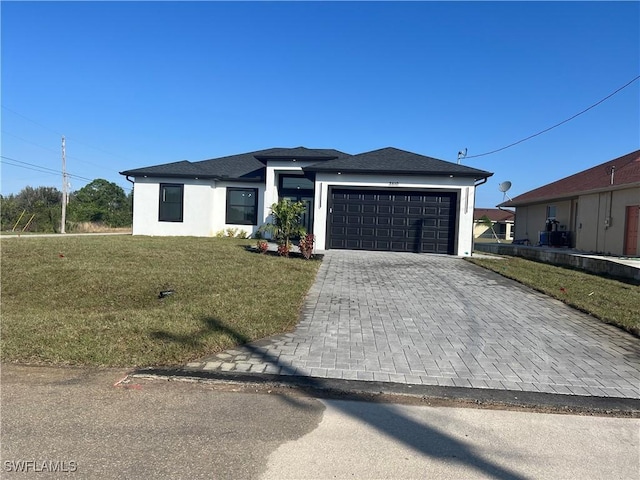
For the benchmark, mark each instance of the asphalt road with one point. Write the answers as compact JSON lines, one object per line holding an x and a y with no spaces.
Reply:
{"x":159,"y":430}
{"x":175,"y":429}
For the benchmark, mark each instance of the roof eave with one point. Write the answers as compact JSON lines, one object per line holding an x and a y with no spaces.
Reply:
{"x":568,"y":196}
{"x":169,"y":175}
{"x":476,"y":175}
{"x":302,"y":158}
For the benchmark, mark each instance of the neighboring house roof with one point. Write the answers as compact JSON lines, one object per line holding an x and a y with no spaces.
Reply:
{"x":620,"y":172}
{"x":494,"y":214}
{"x":250,"y":165}
{"x":394,"y":160}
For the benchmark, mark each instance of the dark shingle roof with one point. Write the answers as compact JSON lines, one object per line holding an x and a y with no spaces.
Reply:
{"x":250,"y":165}
{"x":394,"y":160}
{"x":626,"y":172}
{"x":174,"y":169}
{"x":302,"y":153}
{"x":242,"y":166}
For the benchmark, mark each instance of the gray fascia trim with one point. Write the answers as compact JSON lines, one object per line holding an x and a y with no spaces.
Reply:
{"x":241,"y":179}
{"x":265,"y":158}
{"x":476,"y":175}
{"x":170,"y":175}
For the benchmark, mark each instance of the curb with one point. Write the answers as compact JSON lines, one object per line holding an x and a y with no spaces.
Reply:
{"x":388,"y":392}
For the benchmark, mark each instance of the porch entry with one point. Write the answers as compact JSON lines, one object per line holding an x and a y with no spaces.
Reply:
{"x":298,"y":188}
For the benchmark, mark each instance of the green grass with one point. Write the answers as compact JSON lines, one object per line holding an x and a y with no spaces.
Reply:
{"x":94,"y":300}
{"x":611,"y":301}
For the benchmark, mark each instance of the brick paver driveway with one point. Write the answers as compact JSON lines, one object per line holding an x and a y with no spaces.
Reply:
{"x":438,"y":320}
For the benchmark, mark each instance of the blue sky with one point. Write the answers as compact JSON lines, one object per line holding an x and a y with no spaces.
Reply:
{"x":132,"y":84}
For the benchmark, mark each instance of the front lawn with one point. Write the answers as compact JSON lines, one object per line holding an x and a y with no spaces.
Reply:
{"x":95,"y":300}
{"x":611,"y":301}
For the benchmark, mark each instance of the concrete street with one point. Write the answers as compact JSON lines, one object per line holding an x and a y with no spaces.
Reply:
{"x":174,"y":429}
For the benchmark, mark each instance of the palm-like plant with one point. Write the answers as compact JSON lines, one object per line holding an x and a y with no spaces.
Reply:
{"x":285,"y":223}
{"x":487,"y":222}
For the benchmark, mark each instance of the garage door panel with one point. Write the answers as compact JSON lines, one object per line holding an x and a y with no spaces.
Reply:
{"x":392,"y":220}
{"x":369,"y":208}
{"x":399,"y":210}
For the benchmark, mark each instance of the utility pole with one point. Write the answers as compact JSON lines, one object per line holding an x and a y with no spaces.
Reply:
{"x":65,"y":193}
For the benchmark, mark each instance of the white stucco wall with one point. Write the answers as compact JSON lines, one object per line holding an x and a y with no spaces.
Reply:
{"x":197,"y":212}
{"x":464,"y":187}
{"x":275,"y":168}
{"x":204,"y":208}
{"x":220,"y":207}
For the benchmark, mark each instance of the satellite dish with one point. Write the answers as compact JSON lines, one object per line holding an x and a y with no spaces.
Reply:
{"x":462,"y":154}
{"x":504,"y":186}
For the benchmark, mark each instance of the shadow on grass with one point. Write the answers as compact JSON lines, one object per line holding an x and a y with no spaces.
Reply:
{"x":211,"y":327}
{"x":386,"y":419}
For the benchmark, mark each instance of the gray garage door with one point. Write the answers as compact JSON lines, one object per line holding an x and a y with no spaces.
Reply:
{"x":392,"y":220}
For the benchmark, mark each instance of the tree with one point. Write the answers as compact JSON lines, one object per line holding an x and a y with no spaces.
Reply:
{"x":43,"y":203}
{"x":487,"y":222}
{"x":286,"y":223}
{"x":101,"y":202}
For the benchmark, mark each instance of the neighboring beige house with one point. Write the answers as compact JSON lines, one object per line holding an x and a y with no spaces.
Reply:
{"x":501,"y":221}
{"x":596,"y":210}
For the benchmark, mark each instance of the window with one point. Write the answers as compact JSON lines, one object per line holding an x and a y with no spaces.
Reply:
{"x":291,"y":182}
{"x":171,"y":202}
{"x":242,"y":206}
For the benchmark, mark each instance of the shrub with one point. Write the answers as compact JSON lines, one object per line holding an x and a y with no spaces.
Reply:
{"x":306,"y":245}
{"x":284,"y":249}
{"x":231,"y":232}
{"x":262,"y":246}
{"x":243,"y":234}
{"x":220,"y":234}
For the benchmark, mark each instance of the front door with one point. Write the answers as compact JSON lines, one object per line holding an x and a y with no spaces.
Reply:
{"x":298,"y":188}
{"x":631,"y":230}
{"x":307,"y":216}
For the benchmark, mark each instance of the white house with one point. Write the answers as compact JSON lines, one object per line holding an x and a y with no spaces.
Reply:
{"x":387,"y":199}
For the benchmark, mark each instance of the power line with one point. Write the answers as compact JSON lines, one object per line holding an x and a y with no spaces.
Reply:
{"x":60,"y":134}
{"x":40,"y":169}
{"x":557,"y":124}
